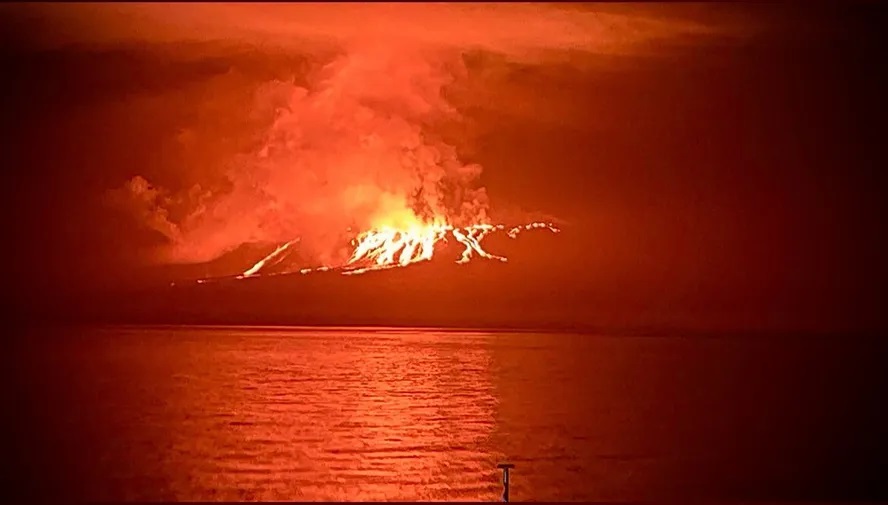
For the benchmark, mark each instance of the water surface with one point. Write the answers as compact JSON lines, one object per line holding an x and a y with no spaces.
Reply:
{"x":382,"y":414}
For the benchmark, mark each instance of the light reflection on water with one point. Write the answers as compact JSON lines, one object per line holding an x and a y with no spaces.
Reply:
{"x":337,"y":416}
{"x":351,"y":414}
{"x":277,"y":415}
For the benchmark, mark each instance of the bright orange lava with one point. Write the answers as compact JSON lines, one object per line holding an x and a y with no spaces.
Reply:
{"x":390,"y":247}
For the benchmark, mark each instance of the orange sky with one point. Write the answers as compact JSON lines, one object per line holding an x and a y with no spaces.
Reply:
{"x":518,"y":29}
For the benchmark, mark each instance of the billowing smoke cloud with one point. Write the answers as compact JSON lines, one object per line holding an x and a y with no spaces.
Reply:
{"x":354,"y":150}
{"x":355,"y":147}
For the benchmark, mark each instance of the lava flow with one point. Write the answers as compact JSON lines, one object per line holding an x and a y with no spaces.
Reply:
{"x":388,"y":247}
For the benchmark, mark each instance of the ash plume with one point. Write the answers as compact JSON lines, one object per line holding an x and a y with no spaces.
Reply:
{"x":353,"y":150}
{"x":355,"y":145}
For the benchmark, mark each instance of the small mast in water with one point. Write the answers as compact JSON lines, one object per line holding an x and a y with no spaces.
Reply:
{"x":505,"y":467}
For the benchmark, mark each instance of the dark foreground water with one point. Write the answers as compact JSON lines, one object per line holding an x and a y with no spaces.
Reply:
{"x":315,"y":414}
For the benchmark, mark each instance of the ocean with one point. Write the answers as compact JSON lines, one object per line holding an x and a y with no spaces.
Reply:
{"x":263,"y":413}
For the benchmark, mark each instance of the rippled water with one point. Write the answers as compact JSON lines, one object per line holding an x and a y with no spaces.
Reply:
{"x":313,"y":414}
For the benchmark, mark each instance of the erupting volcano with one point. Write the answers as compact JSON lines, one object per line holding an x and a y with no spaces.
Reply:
{"x":363,"y":152}
{"x":390,"y":247}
